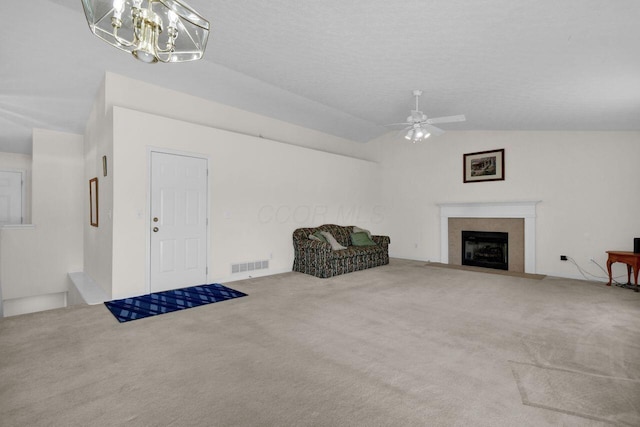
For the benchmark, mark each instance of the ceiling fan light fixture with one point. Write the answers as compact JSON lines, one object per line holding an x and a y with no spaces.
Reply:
{"x":420,"y":127}
{"x":152,"y":30}
{"x":417,"y":133}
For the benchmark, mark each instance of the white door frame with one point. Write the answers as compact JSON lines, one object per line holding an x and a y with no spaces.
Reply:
{"x":23,"y":184}
{"x":147,"y":222}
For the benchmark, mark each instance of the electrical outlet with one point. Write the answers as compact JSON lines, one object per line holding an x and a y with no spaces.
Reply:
{"x":563,"y":257}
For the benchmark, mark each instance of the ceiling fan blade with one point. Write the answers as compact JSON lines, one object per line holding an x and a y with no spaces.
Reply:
{"x":402,"y":132}
{"x":399,"y":124}
{"x":447,"y":119}
{"x":434,"y":131}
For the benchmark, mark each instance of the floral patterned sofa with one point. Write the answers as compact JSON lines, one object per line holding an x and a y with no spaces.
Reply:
{"x":319,"y":259}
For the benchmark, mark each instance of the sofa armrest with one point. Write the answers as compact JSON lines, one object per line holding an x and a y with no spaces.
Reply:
{"x":381,"y":240}
{"x":312,"y":257}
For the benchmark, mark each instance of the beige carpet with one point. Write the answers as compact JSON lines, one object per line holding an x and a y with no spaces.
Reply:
{"x":579,"y":393}
{"x":401,"y":345}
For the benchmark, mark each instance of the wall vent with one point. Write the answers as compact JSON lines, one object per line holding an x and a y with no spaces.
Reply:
{"x":243,"y":267}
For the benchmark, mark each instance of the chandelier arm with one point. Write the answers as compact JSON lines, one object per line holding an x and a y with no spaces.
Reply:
{"x":137,"y":31}
{"x":172,"y":34}
{"x":120,"y":39}
{"x":170,"y":46}
{"x":168,"y":52}
{"x":164,"y":57}
{"x":135,"y":22}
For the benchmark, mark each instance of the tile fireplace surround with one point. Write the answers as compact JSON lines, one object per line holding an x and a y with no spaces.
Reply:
{"x":525,"y":210}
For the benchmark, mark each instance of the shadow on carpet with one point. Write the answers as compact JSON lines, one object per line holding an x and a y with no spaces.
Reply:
{"x":168,"y":301}
{"x":595,"y":397}
{"x":487,"y":270}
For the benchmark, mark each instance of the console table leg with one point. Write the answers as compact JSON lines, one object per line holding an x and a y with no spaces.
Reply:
{"x":609,"y":271}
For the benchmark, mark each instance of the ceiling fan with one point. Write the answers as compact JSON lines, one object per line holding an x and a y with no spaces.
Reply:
{"x":420,"y":127}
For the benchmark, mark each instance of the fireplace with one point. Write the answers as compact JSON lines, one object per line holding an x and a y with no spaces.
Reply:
{"x":522,"y":244}
{"x":487,"y":249}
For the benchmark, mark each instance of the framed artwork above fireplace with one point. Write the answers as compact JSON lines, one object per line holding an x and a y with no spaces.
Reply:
{"x":484,"y":166}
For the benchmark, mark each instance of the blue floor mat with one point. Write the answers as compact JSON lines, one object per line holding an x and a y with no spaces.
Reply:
{"x":167,"y":301}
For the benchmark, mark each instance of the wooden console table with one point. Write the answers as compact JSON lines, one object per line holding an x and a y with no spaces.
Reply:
{"x":632,"y":260}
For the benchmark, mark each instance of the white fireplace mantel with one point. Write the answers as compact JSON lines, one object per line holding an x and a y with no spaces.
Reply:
{"x":526,"y":210}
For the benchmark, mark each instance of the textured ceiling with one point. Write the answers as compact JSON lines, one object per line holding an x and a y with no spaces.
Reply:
{"x":347,"y":68}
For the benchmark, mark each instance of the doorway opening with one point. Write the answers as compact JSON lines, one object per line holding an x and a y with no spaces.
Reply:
{"x":11,"y":197}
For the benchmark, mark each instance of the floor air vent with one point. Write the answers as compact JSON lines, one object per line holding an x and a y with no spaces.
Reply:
{"x":249,"y":266}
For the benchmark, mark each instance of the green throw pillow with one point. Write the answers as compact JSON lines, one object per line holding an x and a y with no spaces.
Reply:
{"x":361,"y":239}
{"x":320,"y":237}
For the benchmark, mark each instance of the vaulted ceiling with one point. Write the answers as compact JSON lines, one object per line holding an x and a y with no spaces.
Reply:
{"x":348,"y":67}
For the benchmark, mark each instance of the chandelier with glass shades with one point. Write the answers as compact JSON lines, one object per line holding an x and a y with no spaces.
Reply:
{"x":152,"y":30}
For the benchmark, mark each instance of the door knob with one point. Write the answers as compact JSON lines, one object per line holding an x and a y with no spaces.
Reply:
{"x":155,"y":229}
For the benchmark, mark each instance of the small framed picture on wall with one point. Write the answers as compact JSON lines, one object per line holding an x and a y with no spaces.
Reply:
{"x":484,"y":166}
{"x":104,"y":165}
{"x":93,"y":202}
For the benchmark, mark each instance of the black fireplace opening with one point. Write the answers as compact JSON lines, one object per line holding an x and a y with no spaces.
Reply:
{"x":485,"y":249}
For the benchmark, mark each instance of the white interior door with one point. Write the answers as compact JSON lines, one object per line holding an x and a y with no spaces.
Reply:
{"x":10,"y":197}
{"x":178,"y":252}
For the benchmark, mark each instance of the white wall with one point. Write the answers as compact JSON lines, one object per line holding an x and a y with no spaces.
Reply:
{"x":35,"y":260}
{"x":98,"y":241}
{"x":575,"y":174}
{"x":268,"y":177}
{"x":260,"y":191}
{"x":136,"y":95}
{"x":587,"y":182}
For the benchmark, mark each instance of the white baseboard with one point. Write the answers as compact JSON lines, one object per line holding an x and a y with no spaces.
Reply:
{"x":17,"y":306}
{"x":250,"y":275}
